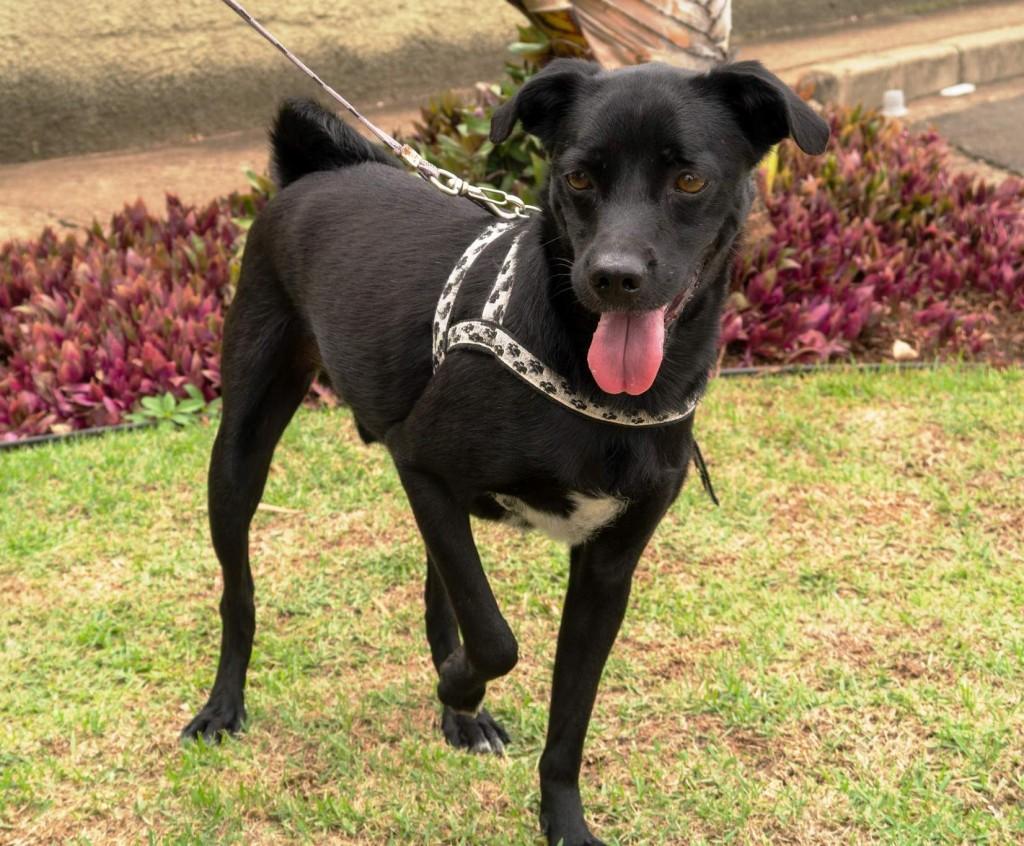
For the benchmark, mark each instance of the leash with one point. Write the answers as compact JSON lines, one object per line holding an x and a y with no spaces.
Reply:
{"x":705,"y":476}
{"x":499,"y":203}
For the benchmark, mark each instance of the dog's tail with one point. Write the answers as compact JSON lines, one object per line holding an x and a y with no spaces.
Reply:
{"x":306,"y":137}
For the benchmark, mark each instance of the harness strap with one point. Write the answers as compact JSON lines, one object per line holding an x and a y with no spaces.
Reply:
{"x":493,"y":338}
{"x":497,"y":302}
{"x":443,"y":313}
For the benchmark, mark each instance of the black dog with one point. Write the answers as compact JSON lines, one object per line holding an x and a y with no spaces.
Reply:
{"x":619,"y":286}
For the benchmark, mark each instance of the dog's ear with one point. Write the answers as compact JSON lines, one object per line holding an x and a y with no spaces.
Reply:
{"x":768,"y":110}
{"x":542,"y":102}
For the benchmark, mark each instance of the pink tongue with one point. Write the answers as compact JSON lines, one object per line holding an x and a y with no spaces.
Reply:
{"x":626,"y":350}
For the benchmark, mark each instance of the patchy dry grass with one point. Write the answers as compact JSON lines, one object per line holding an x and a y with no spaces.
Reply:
{"x":835,"y":656}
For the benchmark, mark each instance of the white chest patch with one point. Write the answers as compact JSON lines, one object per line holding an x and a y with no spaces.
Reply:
{"x":588,"y":515}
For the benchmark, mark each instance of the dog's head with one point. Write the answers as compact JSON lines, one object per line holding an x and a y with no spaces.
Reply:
{"x":649,"y":176}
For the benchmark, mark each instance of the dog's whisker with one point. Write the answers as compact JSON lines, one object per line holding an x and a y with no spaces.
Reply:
{"x":551,"y":241}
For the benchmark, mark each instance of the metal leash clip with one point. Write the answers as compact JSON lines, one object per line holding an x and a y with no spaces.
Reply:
{"x":501,"y":203}
{"x":497,"y":202}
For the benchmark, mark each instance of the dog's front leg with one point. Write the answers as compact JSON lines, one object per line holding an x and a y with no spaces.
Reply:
{"x":600,"y":578}
{"x":489,"y":648}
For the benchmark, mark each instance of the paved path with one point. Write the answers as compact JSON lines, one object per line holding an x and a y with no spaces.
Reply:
{"x":69,"y":193}
{"x":993,"y":132}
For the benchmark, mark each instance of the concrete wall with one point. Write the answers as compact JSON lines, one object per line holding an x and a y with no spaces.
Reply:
{"x":85,"y":75}
{"x":755,"y":19}
{"x":82,"y":75}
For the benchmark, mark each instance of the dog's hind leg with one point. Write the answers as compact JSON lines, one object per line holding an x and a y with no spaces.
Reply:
{"x":265,"y":376}
{"x":480,"y":732}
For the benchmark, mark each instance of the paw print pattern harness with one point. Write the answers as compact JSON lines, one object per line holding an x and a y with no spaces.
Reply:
{"x":489,"y":333}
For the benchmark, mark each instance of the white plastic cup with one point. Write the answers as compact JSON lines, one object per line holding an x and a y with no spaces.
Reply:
{"x":894,"y":104}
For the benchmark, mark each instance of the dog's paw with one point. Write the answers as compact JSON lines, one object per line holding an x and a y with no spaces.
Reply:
{"x":572,"y":835}
{"x":217,"y":718}
{"x":481,"y":734}
{"x":561,"y":820}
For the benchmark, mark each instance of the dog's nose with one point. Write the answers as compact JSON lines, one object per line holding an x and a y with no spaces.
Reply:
{"x":618,"y":278}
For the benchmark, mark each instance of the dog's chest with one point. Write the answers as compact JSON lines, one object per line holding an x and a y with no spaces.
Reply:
{"x":585,"y":516}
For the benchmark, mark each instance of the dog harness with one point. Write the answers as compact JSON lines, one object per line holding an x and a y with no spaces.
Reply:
{"x":488,"y":332}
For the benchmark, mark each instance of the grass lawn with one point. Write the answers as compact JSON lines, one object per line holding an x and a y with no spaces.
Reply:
{"x":834,"y":656}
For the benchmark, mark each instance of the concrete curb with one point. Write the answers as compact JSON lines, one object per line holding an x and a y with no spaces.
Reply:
{"x":918,"y":69}
{"x":990,"y":56}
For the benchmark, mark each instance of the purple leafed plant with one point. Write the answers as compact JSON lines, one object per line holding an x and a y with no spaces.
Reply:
{"x":89,"y":326}
{"x":878,"y":239}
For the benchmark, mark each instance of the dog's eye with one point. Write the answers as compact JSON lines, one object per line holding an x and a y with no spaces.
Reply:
{"x":690,"y":183}
{"x":578,"y":180}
